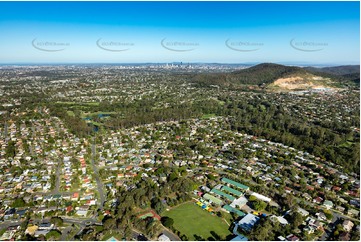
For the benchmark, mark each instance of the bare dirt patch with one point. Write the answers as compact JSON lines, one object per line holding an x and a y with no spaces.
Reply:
{"x":297,"y":82}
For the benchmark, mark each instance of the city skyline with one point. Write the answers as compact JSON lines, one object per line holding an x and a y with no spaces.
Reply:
{"x":189,"y":32}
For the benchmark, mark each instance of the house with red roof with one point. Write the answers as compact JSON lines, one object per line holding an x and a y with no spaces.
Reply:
{"x":75,"y":196}
{"x":69,"y":209}
{"x":318,"y":200}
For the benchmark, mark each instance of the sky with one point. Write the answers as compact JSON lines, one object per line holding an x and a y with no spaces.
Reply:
{"x":163,"y":32}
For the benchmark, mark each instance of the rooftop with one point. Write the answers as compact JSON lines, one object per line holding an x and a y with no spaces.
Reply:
{"x":231,"y":190}
{"x":234,"y":210}
{"x":212,"y":198}
{"x":218,"y":192}
{"x":239,"y":185}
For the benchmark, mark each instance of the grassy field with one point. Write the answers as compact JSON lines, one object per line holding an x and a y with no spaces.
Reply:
{"x":192,"y":221}
{"x":227,"y":217}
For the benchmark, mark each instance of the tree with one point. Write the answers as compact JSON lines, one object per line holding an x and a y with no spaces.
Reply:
{"x":184,"y":237}
{"x":198,"y":238}
{"x":328,"y":214}
{"x":159,"y":207}
{"x":355,"y":235}
{"x":57,"y":221}
{"x":167,"y":222}
{"x":109,"y":223}
{"x":259,"y":205}
{"x":53,"y":235}
{"x":19,"y":202}
{"x":173,"y":176}
{"x":10,"y":150}
{"x":296,"y":220}
{"x":263,"y":231}
{"x":211,"y":177}
{"x":252,"y":198}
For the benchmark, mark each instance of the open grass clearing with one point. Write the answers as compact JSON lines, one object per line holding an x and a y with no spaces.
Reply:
{"x":193,"y":221}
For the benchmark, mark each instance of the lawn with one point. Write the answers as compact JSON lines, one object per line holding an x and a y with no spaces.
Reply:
{"x":191,"y":220}
{"x":227,"y":217}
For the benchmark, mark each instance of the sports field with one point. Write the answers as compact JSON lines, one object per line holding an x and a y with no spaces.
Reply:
{"x":192,"y":221}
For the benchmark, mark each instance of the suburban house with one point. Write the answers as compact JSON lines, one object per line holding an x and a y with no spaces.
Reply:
{"x":328,"y":204}
{"x":347,"y":225}
{"x":303,"y":212}
{"x":292,"y":237}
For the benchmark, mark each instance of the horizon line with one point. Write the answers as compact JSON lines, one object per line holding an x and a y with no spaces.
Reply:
{"x":178,"y":62}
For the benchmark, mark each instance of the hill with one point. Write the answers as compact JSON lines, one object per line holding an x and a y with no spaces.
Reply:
{"x":265,"y":73}
{"x":337,"y":70}
{"x":353,"y":77}
{"x":345,"y":73}
{"x":275,"y":76}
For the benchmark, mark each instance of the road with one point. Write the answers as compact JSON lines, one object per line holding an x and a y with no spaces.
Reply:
{"x":85,"y":221}
{"x":325,"y":235}
{"x":65,"y":233}
{"x":337,"y":214}
{"x":52,"y":193}
{"x":4,"y":225}
{"x":170,"y":234}
{"x":330,"y":227}
{"x":57,"y":178}
{"x":97,"y":179}
{"x":136,"y":235}
{"x":81,"y":222}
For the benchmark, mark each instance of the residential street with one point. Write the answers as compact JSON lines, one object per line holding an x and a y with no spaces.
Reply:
{"x":65,"y":233}
{"x":57,"y":177}
{"x":96,"y":174}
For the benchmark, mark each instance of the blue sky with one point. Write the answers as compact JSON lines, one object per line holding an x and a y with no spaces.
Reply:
{"x":223,"y":32}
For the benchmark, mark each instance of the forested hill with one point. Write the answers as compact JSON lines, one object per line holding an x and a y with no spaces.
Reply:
{"x":260,"y":74}
{"x":267,"y":73}
{"x":337,"y":70}
{"x":345,"y":73}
